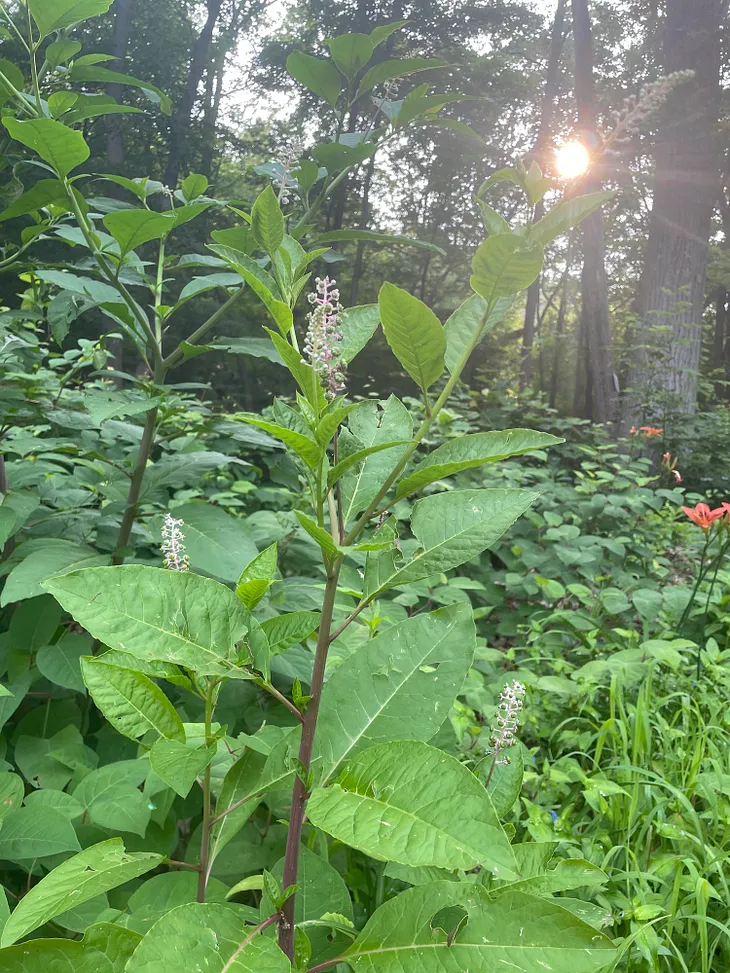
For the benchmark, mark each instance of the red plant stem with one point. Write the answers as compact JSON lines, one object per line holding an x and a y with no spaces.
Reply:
{"x":299,"y":798}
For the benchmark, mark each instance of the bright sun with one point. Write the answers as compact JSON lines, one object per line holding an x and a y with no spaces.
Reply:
{"x":572,"y":159}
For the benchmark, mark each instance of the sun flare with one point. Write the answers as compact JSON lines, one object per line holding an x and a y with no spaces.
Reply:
{"x":572,"y":160}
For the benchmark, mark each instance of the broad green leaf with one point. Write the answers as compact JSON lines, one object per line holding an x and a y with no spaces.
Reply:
{"x":383,"y":32}
{"x":466,"y":327}
{"x":54,"y":956}
{"x":320,"y":76}
{"x":414,"y":333}
{"x":116,"y":942}
{"x":493,"y":222}
{"x":255,"y":347}
{"x":371,"y":236}
{"x":61,"y":147}
{"x":351,"y":52}
{"x":372,"y":425}
{"x":267,"y":221}
{"x":284,"y":631}
{"x":13,"y":77}
{"x":111,"y":797}
{"x":11,"y":793}
{"x":565,"y":215}
{"x":257,"y":577}
{"x":504,"y":265}
{"x":36,"y":832}
{"x":216,"y":543}
{"x":353,"y":459}
{"x":318,"y":534}
{"x":55,"y":14}
{"x":212,"y":937}
{"x":260,"y":282}
{"x":513,"y":931}
{"x":34,"y":624}
{"x":452,"y":528}
{"x":133,"y":227}
{"x":397,"y":68}
{"x":240,"y":790}
{"x":571,"y":873}
{"x":90,"y":873}
{"x":167,"y":616}
{"x":60,"y":51}
{"x":306,"y":448}
{"x":59,"y":800}
{"x":167,"y":890}
{"x":61,"y":663}
{"x":179,"y":765}
{"x":358,"y":325}
{"x":468,"y":452}
{"x":45,"y":191}
{"x":304,"y":375}
{"x":90,"y":72}
{"x":505,"y":784}
{"x":411,"y":803}
{"x":193,"y":186}
{"x":335,"y":156}
{"x":131,"y":702}
{"x":60,"y":102}
{"x":25,"y":579}
{"x":398,"y":686}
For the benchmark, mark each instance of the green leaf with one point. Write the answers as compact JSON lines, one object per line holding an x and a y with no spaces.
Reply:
{"x":90,"y":72}
{"x":44,"y":192}
{"x":338,"y":471}
{"x":55,"y":14}
{"x":193,"y":186}
{"x":260,"y":282}
{"x":54,"y":956}
{"x":179,"y":765}
{"x":11,"y":793}
{"x":284,"y":631}
{"x":212,"y":937}
{"x":452,"y":528}
{"x":358,"y":325}
{"x":414,"y":333}
{"x":351,"y":52}
{"x":398,"y":686}
{"x":469,"y":323}
{"x":61,"y":663}
{"x":371,"y":425}
{"x":571,"y":873}
{"x":96,"y":870}
{"x":116,"y":942}
{"x":320,"y":76}
{"x":14,"y":76}
{"x":169,"y":616}
{"x":61,"y":147}
{"x":216,"y":543}
{"x":468,"y":452}
{"x":493,"y":222}
{"x":307,"y":449}
{"x":239,"y":790}
{"x":60,"y":102}
{"x":371,"y":236}
{"x":34,"y":624}
{"x":505,"y":265}
{"x":565,"y":215}
{"x":131,"y":702}
{"x":257,"y":577}
{"x":36,"y":832}
{"x":506,"y":780}
{"x":304,"y":375}
{"x":335,"y":156}
{"x":133,"y":227}
{"x":267,"y":221}
{"x":528,"y":933}
{"x":319,"y":534}
{"x":60,"y":51}
{"x":397,"y":68}
{"x":411,"y":803}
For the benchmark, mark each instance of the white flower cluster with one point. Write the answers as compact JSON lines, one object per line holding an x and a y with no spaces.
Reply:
{"x":173,"y":545}
{"x":510,"y":707}
{"x":322,"y":344}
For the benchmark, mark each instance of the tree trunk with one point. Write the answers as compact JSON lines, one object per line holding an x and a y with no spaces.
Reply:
{"x":719,"y":365}
{"x":539,"y":151}
{"x":364,"y":220}
{"x":672,"y":287}
{"x":183,"y":112}
{"x":595,"y":315}
{"x":212,"y":110}
{"x":122,"y":26}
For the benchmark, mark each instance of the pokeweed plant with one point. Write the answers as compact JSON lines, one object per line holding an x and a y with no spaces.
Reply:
{"x":354,"y":761}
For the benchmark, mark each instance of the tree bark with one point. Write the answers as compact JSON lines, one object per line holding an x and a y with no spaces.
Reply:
{"x":120,"y":40}
{"x":719,"y":363}
{"x":595,"y":314}
{"x":672,"y":287}
{"x":538,"y":153}
{"x":364,"y":220}
{"x":184,"y":110}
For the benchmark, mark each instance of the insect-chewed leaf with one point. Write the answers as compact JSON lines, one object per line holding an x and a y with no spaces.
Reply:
{"x":411,"y":803}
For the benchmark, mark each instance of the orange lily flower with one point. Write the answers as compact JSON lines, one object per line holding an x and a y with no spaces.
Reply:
{"x":651,"y":430}
{"x":703,"y":516}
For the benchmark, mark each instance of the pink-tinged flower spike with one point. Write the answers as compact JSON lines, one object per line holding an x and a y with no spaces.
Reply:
{"x":510,"y":707}
{"x":323,"y":341}
{"x":173,"y":545}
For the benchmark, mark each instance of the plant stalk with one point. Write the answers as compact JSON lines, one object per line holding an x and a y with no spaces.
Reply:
{"x":299,"y":798}
{"x":135,"y":486}
{"x":205,"y":863}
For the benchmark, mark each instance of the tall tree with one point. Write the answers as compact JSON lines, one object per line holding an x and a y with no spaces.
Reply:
{"x":539,"y":152}
{"x":595,"y":314}
{"x":686,"y":185}
{"x":120,"y":40}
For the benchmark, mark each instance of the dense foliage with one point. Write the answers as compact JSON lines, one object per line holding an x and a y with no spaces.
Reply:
{"x":387,"y":675}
